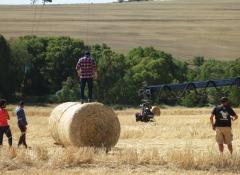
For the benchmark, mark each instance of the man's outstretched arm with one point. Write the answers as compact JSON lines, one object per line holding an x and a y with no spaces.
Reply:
{"x":211,"y":121}
{"x":235,"y":117}
{"x":78,"y":68}
{"x":233,"y":114}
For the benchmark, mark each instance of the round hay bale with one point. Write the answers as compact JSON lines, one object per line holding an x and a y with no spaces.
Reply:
{"x":89,"y":124}
{"x":156,"y":110}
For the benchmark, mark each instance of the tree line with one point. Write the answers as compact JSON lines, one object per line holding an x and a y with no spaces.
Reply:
{"x":42,"y":69}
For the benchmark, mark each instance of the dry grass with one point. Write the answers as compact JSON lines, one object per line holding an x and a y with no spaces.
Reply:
{"x":179,"y":142}
{"x":185,"y":28}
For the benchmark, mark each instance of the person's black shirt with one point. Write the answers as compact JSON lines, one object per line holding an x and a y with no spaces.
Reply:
{"x":223,"y":116}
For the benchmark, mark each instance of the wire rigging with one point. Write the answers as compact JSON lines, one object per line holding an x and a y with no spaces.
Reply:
{"x":88,"y":21}
{"x":34,"y":8}
{"x":36,"y":22}
{"x":40,"y":16}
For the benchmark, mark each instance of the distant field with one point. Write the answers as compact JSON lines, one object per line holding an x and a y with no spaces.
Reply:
{"x":184,"y":28}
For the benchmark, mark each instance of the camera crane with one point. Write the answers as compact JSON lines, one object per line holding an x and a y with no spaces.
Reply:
{"x":177,"y":91}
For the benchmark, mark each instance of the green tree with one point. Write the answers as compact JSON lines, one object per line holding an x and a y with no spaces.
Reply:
{"x":111,"y":69}
{"x":233,"y":68}
{"x":7,"y":86}
{"x":41,"y":66}
{"x":20,"y":61}
{"x":212,"y":69}
{"x":191,"y":99}
{"x":198,"y":61}
{"x":34,"y":83}
{"x":152,"y":66}
{"x":62,"y":55}
{"x":234,"y":96}
{"x":69,"y":91}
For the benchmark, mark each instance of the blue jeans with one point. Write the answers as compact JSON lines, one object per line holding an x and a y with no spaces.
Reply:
{"x":83,"y":82}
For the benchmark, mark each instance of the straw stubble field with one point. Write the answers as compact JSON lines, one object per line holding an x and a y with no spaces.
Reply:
{"x":179,"y":142}
{"x":184,"y":28}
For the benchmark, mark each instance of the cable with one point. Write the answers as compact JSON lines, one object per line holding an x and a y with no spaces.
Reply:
{"x":88,"y":20}
{"x":40,"y":16}
{"x":34,"y":15}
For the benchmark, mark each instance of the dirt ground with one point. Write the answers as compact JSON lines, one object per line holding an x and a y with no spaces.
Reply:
{"x":181,"y":141}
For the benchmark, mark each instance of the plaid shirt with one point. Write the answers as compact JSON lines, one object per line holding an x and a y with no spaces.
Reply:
{"x":87,"y":66}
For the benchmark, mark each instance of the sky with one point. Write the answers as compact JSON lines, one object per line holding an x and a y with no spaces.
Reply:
{"x":13,"y":2}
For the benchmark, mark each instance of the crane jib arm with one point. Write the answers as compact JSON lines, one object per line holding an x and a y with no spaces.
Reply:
{"x":194,"y":85}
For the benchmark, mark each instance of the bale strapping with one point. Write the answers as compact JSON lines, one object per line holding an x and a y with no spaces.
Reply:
{"x":89,"y":124}
{"x":156,"y":110}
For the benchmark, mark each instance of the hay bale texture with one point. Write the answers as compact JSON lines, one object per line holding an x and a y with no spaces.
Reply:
{"x":89,"y":124}
{"x":156,"y":110}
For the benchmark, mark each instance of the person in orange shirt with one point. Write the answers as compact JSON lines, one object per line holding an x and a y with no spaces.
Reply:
{"x":4,"y":127}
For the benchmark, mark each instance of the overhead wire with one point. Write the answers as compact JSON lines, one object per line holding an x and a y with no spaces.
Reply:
{"x":37,"y":16}
{"x":34,"y":8}
{"x":40,"y":16}
{"x":88,"y":21}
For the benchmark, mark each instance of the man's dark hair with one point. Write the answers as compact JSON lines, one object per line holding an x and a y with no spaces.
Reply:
{"x":2,"y":102}
{"x":224,"y":99}
{"x":87,"y":53}
{"x":21,"y":103}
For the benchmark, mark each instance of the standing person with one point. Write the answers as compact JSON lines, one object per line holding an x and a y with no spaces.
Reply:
{"x":223,"y":115}
{"x":22,"y":124}
{"x":86,"y":68}
{"x":4,"y":127}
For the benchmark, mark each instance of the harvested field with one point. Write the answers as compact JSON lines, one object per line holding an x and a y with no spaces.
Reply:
{"x":184,"y":28}
{"x":181,"y":141}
